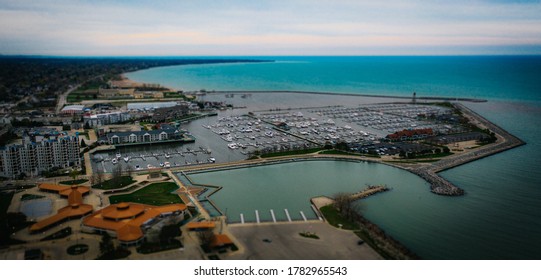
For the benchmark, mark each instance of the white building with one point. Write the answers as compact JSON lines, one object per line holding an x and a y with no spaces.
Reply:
{"x":106,"y":118}
{"x":34,"y":158}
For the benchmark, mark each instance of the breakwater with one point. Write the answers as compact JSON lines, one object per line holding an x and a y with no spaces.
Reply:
{"x":371,"y":190}
{"x":505,"y":141}
{"x":476,"y":100}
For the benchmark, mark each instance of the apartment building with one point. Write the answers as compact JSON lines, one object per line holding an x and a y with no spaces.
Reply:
{"x":32,"y":158}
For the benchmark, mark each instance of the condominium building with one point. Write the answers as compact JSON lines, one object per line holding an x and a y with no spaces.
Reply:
{"x":139,"y":137}
{"x":32,"y":158}
{"x":106,"y":118}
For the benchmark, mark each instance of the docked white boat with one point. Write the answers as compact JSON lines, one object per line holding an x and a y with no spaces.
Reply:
{"x":167,"y":155}
{"x":167,"y":164}
{"x":232,"y":146}
{"x":126,"y":159}
{"x":114,"y":161}
{"x":118,"y":155}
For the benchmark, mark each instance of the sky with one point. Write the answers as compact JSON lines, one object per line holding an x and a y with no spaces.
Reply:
{"x":259,"y":28}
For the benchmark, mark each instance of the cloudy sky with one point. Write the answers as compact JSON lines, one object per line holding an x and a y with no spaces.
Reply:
{"x":291,"y":27}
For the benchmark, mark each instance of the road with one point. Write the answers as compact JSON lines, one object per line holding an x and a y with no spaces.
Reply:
{"x":63,"y":97}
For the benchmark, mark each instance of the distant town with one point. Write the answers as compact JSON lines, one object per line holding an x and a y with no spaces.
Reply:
{"x":99,"y":164}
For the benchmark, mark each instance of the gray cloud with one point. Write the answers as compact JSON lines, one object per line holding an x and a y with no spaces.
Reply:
{"x":268,"y":27}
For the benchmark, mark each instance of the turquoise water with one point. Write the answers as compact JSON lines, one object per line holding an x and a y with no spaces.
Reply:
{"x":477,"y":77}
{"x":291,"y":185}
{"x":500,"y":215}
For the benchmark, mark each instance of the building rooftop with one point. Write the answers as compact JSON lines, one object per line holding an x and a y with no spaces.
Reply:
{"x":126,"y":218}
{"x":73,"y":108}
{"x":75,"y":207}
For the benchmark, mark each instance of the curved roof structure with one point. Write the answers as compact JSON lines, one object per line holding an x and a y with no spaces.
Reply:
{"x":122,"y":210}
{"x":75,"y":207}
{"x":127,"y":218}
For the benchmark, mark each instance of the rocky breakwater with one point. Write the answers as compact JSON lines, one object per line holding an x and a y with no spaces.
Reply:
{"x":441,"y":186}
{"x":438,"y":185}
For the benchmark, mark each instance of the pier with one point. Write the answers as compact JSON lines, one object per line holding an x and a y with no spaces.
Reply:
{"x":371,"y":190}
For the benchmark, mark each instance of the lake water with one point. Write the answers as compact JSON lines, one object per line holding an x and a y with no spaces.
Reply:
{"x":500,"y":215}
{"x":291,"y":185}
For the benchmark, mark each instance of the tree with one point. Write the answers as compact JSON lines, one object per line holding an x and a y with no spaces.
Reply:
{"x":205,"y":239}
{"x":99,"y":177}
{"x":117,"y":173}
{"x":129,"y":170}
{"x":106,"y":244}
{"x":169,"y":232}
{"x":74,"y":174}
{"x":346,"y":206}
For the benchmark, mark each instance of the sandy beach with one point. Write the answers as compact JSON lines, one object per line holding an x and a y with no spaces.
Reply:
{"x":126,"y":82}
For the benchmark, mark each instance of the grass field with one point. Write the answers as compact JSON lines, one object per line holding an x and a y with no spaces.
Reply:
{"x":334,"y":218}
{"x":154,"y":194}
{"x":114,"y":184}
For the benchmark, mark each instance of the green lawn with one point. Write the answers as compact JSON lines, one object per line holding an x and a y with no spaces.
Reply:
{"x":77,"y":96}
{"x":340,"y":152}
{"x":154,"y":194}
{"x":31,"y":196}
{"x":334,"y":218}
{"x":114,"y":184}
{"x":74,"y":182}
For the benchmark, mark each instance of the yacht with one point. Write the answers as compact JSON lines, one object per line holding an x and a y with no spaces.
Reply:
{"x":114,"y":161}
{"x":167,"y":164}
{"x":118,"y":155}
{"x":126,"y":159}
{"x":212,"y":160}
{"x":167,"y":155}
{"x":232,"y":146}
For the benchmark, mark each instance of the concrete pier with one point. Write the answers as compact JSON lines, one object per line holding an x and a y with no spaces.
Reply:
{"x":303,"y":217}
{"x":317,"y":212}
{"x":273,"y":217}
{"x":287,"y":214}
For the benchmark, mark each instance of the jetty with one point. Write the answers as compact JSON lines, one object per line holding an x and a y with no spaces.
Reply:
{"x":505,"y":141}
{"x":370,"y":190}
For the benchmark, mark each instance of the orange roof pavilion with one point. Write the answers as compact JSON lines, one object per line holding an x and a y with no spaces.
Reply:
{"x":63,"y":190}
{"x":220,"y":240}
{"x":204,"y":225}
{"x":75,"y":208}
{"x":126,"y":219}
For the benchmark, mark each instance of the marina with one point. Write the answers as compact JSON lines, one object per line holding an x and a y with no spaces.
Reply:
{"x":164,"y":156}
